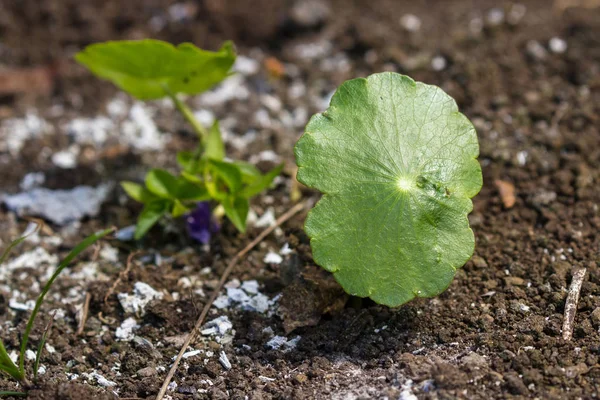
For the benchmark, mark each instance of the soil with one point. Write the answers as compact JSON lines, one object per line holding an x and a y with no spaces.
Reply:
{"x":495,"y":333}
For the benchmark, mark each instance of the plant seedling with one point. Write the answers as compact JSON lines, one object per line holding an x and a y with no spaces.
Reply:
{"x":397,"y":165}
{"x":17,"y":370}
{"x":152,"y":69}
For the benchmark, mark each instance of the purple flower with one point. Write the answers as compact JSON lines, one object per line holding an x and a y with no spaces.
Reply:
{"x":200,"y":223}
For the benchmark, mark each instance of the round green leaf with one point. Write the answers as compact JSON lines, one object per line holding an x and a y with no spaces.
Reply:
{"x":397,"y":164}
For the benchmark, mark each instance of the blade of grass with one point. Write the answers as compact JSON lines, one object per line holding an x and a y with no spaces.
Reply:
{"x":40,"y":349}
{"x":87,"y":242}
{"x":14,"y":394}
{"x":7,"y":365}
{"x":16,"y":242}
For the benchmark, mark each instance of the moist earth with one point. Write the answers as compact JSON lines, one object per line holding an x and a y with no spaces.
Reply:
{"x":528,"y":76}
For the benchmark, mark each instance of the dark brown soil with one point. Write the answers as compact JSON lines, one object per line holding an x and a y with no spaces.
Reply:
{"x":495,"y":333}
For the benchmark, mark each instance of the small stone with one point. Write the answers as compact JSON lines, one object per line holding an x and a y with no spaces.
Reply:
{"x":536,"y":50}
{"x":410,"y":22}
{"x":557,"y":45}
{"x":515,"y":385}
{"x":595,"y":316}
{"x":514,"y":281}
{"x":146,"y":372}
{"x":479,"y":262}
{"x":575,"y":370}
{"x":301,"y":378}
{"x":309,"y":13}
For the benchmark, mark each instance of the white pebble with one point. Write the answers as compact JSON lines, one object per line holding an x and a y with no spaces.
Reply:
{"x":410,"y":22}
{"x":558,"y":45}
{"x":273,"y":258}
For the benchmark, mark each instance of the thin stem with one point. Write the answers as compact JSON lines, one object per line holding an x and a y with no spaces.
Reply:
{"x":188,"y":115}
{"x":65,"y":262}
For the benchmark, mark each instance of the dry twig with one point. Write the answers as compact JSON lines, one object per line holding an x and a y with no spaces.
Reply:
{"x":571,"y":303}
{"x":289,"y":214}
{"x":84,"y":313}
{"x":122,"y":275}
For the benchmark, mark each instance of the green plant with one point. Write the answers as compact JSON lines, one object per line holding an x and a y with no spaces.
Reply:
{"x":152,"y":69}
{"x":397,"y":165}
{"x":7,"y":366}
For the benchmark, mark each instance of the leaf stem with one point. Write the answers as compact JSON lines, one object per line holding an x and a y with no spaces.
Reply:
{"x":187,"y":114}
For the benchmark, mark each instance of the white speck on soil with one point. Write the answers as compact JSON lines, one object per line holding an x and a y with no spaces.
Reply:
{"x":16,"y":305}
{"x":522,"y":158}
{"x":218,"y":326}
{"x":232,"y":88}
{"x":536,"y":50}
{"x":247,"y":300}
{"x":266,"y":220}
{"x":246,"y":65}
{"x":102,"y":381}
{"x":438,"y":63}
{"x":66,"y":159}
{"x":410,"y":22}
{"x":15,"y":132}
{"x":273,"y":258}
{"x":109,"y":253}
{"x":495,"y":16}
{"x":224,"y":361}
{"x":30,"y":355}
{"x":205,"y":117}
{"x":32,"y":259}
{"x":126,"y":234}
{"x":142,"y":295}
{"x":407,"y":393}
{"x":59,"y":206}
{"x":282,"y":343}
{"x":125,"y":331}
{"x":286,"y":250}
{"x":557,"y":45}
{"x":250,"y":287}
{"x":189,"y":354}
{"x":32,"y":180}
{"x":313,"y":50}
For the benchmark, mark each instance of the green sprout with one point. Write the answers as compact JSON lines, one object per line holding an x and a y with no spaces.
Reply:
{"x":397,"y":165}
{"x":17,"y":370}
{"x":152,"y":69}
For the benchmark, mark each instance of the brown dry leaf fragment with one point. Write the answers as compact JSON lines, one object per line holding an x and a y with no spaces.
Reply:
{"x":274,"y":67}
{"x":507,"y":193}
{"x":37,"y":80}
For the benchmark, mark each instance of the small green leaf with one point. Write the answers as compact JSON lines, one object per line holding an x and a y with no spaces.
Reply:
{"x":162,"y":183}
{"x":229,"y":172}
{"x":215,"y":148}
{"x":261,"y":183}
{"x":397,"y":165}
{"x":191,"y":191}
{"x":187,"y":160}
{"x":249,"y":172}
{"x":150,"y":215}
{"x":192,"y":178}
{"x":144,"y":67}
{"x":138,"y":192}
{"x":236,"y":209}
{"x":179,"y":209}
